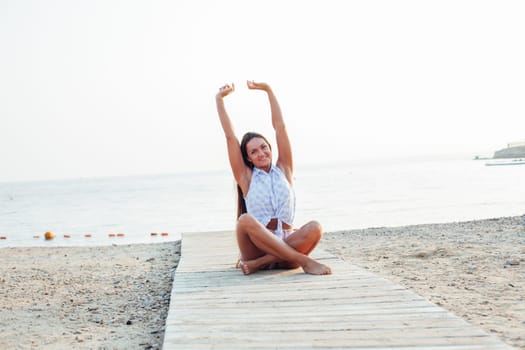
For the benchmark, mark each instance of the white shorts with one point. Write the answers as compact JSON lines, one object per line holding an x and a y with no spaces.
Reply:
{"x":284,"y":234}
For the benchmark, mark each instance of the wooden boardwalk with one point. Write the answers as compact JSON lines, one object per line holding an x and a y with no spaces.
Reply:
{"x":214,"y":306}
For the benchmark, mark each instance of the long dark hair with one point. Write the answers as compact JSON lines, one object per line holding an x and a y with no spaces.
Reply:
{"x":241,"y":204}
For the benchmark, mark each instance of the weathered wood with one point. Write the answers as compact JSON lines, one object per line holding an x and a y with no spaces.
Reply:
{"x":214,"y":306}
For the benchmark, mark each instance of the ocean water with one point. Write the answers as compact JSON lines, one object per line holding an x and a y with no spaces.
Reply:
{"x":362,"y":194}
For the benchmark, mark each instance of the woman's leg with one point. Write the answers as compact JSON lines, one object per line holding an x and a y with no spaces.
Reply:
{"x":259,"y":247}
{"x":304,"y":240}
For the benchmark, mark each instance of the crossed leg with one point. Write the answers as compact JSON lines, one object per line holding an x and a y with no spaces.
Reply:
{"x":259,"y":247}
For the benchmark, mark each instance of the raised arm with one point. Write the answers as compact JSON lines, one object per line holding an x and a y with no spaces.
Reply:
{"x":239,"y":169}
{"x":285,"y":159}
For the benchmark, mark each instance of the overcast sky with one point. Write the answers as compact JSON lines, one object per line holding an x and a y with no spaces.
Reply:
{"x":97,"y":88}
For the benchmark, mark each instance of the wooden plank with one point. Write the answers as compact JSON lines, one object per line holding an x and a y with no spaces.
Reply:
{"x":214,"y":306}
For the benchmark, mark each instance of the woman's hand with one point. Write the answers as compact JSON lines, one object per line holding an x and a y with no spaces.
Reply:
{"x":257,"y":86}
{"x":225,"y":90}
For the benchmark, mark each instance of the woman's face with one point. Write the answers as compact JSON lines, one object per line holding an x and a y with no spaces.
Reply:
{"x":259,"y":153}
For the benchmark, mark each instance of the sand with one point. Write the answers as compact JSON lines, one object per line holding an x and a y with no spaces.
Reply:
{"x":117,"y":297}
{"x":113,"y":297}
{"x":474,"y":269}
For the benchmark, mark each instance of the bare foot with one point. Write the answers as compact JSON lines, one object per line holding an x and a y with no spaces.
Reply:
{"x":248,"y":267}
{"x":315,"y":268}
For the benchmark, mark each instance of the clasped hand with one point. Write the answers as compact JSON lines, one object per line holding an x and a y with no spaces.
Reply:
{"x":227,"y":89}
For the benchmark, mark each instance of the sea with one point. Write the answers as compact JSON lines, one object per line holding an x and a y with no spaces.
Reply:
{"x":352,"y":195}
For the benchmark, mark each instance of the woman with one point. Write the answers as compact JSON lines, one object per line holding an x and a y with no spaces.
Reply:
{"x":266,"y":198}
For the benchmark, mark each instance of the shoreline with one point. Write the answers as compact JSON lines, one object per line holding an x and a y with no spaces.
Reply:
{"x":118,"y":296}
{"x":474,"y":269}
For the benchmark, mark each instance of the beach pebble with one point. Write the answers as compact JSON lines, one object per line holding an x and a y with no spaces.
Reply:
{"x":511,"y":262}
{"x":471,"y":268}
{"x":78,"y":339}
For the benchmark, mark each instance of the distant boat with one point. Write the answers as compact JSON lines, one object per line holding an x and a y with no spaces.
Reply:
{"x":515,"y":161}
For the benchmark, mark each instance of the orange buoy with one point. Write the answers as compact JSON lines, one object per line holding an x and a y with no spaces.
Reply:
{"x":67,"y":236}
{"x":87,"y":235}
{"x":120,"y":235}
{"x":49,"y":235}
{"x":164,"y":234}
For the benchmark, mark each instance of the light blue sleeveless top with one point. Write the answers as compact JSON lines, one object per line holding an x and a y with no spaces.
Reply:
{"x":271,"y":196}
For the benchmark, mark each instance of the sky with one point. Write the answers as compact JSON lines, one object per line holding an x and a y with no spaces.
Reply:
{"x":110,"y":88}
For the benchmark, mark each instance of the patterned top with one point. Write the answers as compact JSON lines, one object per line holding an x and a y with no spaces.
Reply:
{"x":271,"y":196}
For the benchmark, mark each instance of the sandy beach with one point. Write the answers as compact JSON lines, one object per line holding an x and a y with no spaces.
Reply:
{"x":112,"y":297}
{"x":117,"y":297}
{"x":474,"y":269}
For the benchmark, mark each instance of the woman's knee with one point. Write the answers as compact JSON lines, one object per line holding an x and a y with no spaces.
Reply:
{"x":245,"y":220}
{"x":315,"y":229}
